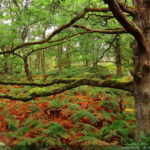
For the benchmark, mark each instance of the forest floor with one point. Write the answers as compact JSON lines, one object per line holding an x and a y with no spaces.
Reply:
{"x":81,"y":117}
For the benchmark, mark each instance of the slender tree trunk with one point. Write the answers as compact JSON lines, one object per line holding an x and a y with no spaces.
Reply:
{"x":118,"y":57}
{"x":27,"y":71}
{"x":68,"y":56}
{"x":6,"y":66}
{"x":30,"y":63}
{"x":60,"y":58}
{"x":68,"y":60}
{"x":43,"y":65}
{"x":38,"y":59}
{"x":142,"y":69}
{"x":43,"y":62}
{"x":86,"y":63}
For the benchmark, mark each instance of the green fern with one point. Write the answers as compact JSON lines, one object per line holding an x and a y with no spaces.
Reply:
{"x":56,"y":103}
{"x":109,"y":104}
{"x":120,"y":123}
{"x":22,"y":131}
{"x":84,"y":113}
{"x":88,"y":129}
{"x":119,"y":129}
{"x":86,"y":138}
{"x":55,"y":130}
{"x":82,"y":89}
{"x":34,"y":108}
{"x":94,"y":92}
{"x":29,"y":122}
{"x":29,"y":144}
{"x":75,"y":107}
{"x":12,"y":125}
{"x":107,"y":115}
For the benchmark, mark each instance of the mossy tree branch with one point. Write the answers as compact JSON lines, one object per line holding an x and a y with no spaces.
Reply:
{"x":73,"y":83}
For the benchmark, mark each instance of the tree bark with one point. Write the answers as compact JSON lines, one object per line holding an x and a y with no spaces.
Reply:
{"x":43,"y":65}
{"x":6,"y":66}
{"x":140,"y":29}
{"x":27,"y":71}
{"x":142,"y":68}
{"x":68,"y":56}
{"x":60,"y":58}
{"x":118,"y":57}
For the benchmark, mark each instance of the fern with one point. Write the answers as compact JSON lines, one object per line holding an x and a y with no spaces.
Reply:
{"x":56,"y":104}
{"x":31,"y":122}
{"x":49,"y":142}
{"x":120,"y":123}
{"x":22,"y":131}
{"x":12,"y":125}
{"x":82,"y":89}
{"x":89,"y":130}
{"x":119,"y":129}
{"x":87,"y":138}
{"x":94,"y":92}
{"x":29,"y":144}
{"x":106,"y":115}
{"x":34,"y":108}
{"x":75,"y":107}
{"x":109,"y":104}
{"x":55,"y":130}
{"x":84,"y":113}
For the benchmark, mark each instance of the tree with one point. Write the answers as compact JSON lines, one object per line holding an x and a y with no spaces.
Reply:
{"x":140,"y":30}
{"x":138,"y":27}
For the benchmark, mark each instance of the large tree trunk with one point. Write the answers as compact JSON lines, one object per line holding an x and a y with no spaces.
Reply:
{"x":142,"y":69}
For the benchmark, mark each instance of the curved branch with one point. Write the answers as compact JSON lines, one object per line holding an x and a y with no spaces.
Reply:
{"x":126,"y":8}
{"x":127,"y":86}
{"x":43,"y":48}
{"x":108,"y":31}
{"x":70,"y":36}
{"x":130,"y":26}
{"x":59,"y":29}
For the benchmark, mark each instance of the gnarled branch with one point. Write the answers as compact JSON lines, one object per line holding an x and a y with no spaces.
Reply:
{"x":127,"y":86}
{"x":130,"y":26}
{"x":108,"y":31}
{"x":126,"y":8}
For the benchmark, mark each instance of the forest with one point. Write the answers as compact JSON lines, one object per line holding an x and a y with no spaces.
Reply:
{"x":74,"y":74}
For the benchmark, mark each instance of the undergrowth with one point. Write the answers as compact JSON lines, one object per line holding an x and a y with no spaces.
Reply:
{"x":75,"y":118}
